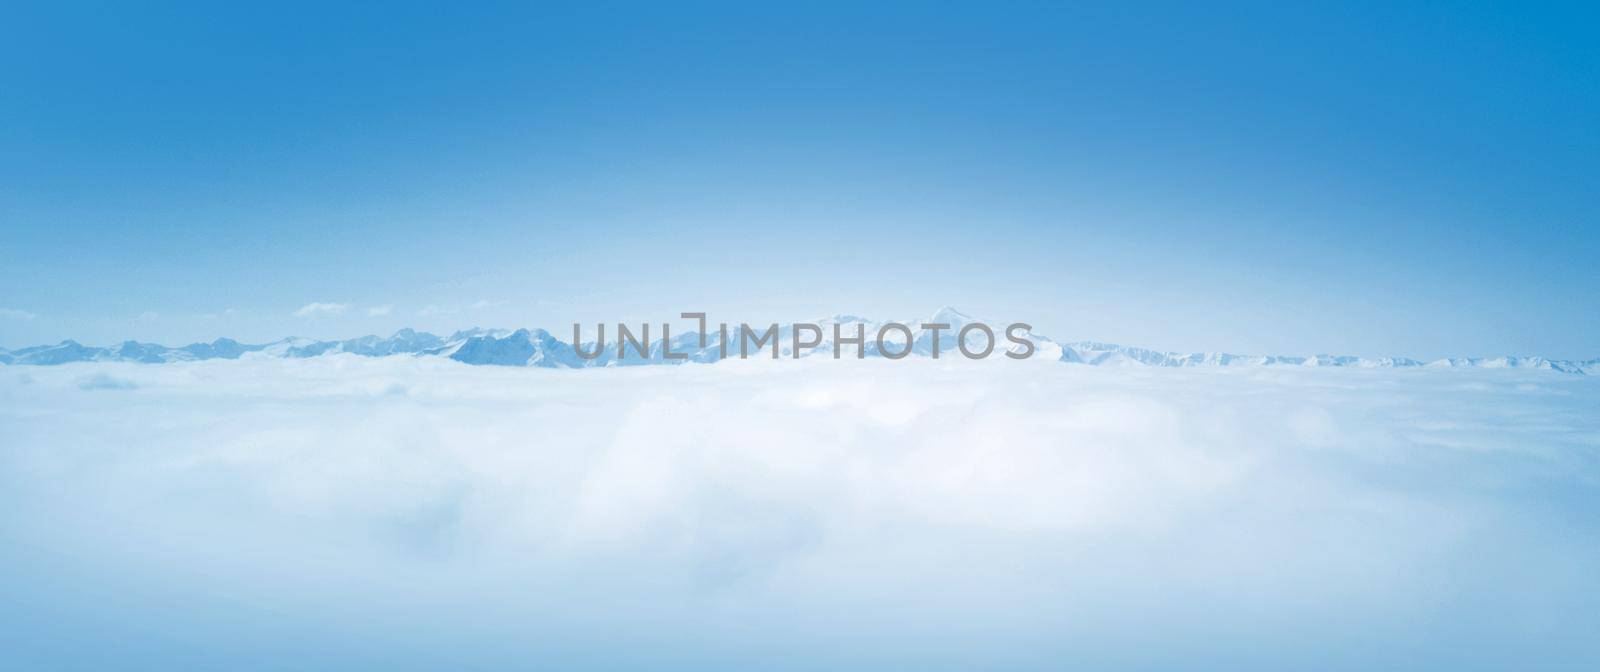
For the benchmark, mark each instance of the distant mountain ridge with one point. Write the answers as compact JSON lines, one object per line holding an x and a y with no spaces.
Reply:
{"x":539,"y":348}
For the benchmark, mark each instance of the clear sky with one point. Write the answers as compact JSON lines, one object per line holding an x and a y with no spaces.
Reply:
{"x":1417,"y":179}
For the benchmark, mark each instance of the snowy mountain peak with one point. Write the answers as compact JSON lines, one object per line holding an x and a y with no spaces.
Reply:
{"x":950,"y":316}
{"x":538,"y":347}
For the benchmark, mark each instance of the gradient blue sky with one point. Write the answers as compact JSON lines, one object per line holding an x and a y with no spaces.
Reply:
{"x":1417,"y":179}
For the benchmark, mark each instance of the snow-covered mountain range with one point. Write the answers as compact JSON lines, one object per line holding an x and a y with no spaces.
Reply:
{"x":537,"y":347}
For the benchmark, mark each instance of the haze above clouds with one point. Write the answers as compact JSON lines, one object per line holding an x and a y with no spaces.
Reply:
{"x":403,"y":513}
{"x":1395,"y":180}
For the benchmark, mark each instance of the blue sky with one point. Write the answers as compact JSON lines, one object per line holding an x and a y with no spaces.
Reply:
{"x":1384,"y":179}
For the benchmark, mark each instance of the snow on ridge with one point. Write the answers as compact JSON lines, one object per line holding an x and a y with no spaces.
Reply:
{"x":539,"y":348}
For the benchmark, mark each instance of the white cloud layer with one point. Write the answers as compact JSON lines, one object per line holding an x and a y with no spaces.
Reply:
{"x":19,"y":315}
{"x":415,"y":513}
{"x":431,"y":310}
{"x":316,"y":309}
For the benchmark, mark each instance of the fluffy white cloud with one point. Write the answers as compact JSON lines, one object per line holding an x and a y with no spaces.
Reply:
{"x":437,"y":310}
{"x":431,"y":310}
{"x":316,"y":309}
{"x":14,"y":314}
{"x":832,"y":514}
{"x":379,"y":311}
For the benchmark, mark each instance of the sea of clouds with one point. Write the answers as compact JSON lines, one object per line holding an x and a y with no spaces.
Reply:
{"x":418,"y":513}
